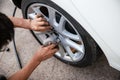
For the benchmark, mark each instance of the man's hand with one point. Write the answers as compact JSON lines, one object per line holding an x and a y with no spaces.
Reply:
{"x":40,"y":24}
{"x":45,"y":52}
{"x":42,"y":54}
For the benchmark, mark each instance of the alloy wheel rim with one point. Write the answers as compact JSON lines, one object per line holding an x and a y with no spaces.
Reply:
{"x":71,"y":47}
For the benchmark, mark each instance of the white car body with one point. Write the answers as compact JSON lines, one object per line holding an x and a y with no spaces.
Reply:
{"x":101,"y":19}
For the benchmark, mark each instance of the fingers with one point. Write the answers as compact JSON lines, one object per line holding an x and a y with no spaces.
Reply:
{"x":43,"y":23}
{"x":50,"y":54}
{"x":52,"y":46}
{"x":38,"y":16}
{"x":47,"y":52}
{"x":42,"y":28}
{"x":41,"y":19}
{"x":54,"y":51}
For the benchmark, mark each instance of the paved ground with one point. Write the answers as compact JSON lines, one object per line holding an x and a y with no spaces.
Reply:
{"x":51,"y":69}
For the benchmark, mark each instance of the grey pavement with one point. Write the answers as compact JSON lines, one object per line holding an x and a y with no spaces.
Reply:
{"x":51,"y":69}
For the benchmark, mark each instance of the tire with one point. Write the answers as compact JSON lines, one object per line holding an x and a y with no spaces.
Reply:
{"x":80,"y":58}
{"x":17,"y":3}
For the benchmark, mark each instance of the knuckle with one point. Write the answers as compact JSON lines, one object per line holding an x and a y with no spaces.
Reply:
{"x":40,"y":18}
{"x":43,"y":22}
{"x":46,"y":48}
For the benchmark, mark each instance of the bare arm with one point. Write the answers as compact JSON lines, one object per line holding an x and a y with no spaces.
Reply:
{"x":42,"y":54}
{"x":24,"y":73}
{"x":20,"y":22}
{"x":39,"y":23}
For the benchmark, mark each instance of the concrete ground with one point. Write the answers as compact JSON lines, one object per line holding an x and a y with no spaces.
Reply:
{"x":51,"y":69}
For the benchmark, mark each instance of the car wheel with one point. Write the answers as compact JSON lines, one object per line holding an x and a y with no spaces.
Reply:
{"x":76,"y":46}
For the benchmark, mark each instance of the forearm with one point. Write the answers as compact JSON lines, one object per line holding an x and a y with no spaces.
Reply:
{"x":24,"y":73}
{"x":20,"y":22}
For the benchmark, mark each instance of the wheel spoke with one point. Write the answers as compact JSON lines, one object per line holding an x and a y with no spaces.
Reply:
{"x":51,"y":15}
{"x":70,"y":53}
{"x":31,"y":15}
{"x":71,"y":36}
{"x":61,"y":25}
{"x":61,"y":51}
{"x":74,"y":45}
{"x":36,"y":9}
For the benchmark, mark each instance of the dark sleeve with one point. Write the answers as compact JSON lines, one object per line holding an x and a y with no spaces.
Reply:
{"x":2,"y":77}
